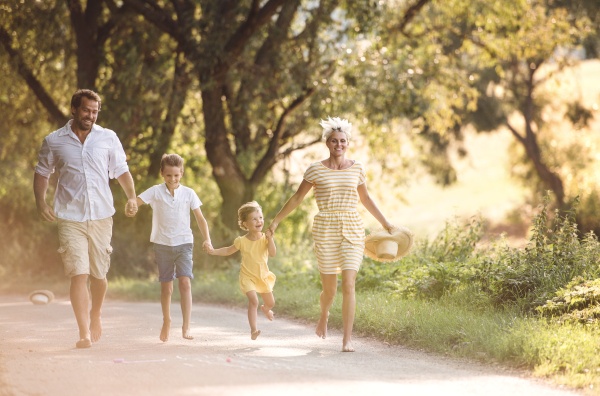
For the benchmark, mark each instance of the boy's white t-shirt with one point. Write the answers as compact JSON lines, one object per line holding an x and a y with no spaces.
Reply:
{"x":171,"y":214}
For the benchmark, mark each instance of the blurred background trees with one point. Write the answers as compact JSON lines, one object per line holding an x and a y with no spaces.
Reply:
{"x":237,"y":87}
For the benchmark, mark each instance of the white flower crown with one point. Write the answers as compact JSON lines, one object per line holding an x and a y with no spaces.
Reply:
{"x":335,"y":124}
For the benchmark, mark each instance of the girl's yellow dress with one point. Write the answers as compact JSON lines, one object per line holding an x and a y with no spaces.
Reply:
{"x":338,"y":230}
{"x":254,"y":272}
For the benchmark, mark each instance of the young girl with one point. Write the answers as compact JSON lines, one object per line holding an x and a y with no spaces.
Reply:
{"x":255,"y":276}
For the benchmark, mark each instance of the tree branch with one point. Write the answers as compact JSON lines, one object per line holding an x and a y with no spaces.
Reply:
{"x":254,"y":21}
{"x":158,"y":16}
{"x":298,"y":147}
{"x":270,"y":156}
{"x":34,"y":84}
{"x":516,"y":134}
{"x":410,"y":14}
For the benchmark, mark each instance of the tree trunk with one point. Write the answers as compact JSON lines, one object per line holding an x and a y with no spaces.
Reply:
{"x":226,"y":171}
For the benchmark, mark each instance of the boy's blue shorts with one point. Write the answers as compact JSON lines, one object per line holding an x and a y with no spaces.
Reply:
{"x":174,"y":261}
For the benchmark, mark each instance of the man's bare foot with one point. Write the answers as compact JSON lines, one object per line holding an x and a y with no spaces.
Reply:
{"x":268,"y":313}
{"x":347,"y":346}
{"x":164,"y":332}
{"x":85,"y":342}
{"x":95,"y":327}
{"x":186,"y":334}
{"x":254,"y":335}
{"x":321,"y":330}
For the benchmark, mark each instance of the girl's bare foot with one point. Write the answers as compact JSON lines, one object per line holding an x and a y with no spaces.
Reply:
{"x":347,"y":346}
{"x":186,"y":334}
{"x":268,"y":313}
{"x":254,"y":335}
{"x":166,"y":328}
{"x":321,"y":330}
{"x":95,"y":327}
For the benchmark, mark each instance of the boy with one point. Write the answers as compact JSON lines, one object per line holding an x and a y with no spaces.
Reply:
{"x":172,"y":237}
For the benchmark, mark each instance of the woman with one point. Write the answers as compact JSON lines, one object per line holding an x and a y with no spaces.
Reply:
{"x":338,"y":230}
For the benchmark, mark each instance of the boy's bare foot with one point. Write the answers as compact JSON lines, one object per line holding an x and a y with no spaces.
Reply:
{"x":268,"y":313}
{"x":85,"y":342}
{"x":347,"y":346}
{"x":95,"y":327}
{"x":186,"y":334}
{"x":321,"y":330}
{"x":254,"y":335}
{"x":166,"y":328}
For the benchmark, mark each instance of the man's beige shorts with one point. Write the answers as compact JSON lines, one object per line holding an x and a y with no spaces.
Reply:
{"x":85,"y":246}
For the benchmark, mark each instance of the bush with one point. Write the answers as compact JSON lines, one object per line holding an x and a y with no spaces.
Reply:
{"x":551,"y":259}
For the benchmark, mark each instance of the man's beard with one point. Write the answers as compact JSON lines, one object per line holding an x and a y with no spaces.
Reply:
{"x":83,"y":127}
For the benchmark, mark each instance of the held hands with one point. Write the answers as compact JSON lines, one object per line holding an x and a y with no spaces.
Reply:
{"x":45,"y":212}
{"x":207,"y":247}
{"x":131,"y":208}
{"x":271,"y":230}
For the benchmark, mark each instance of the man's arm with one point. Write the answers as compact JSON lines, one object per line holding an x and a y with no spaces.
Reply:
{"x":40,"y":186}
{"x":126,"y":182}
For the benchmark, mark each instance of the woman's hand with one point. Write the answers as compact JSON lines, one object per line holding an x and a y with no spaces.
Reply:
{"x":388,"y":226}
{"x":271,"y":229}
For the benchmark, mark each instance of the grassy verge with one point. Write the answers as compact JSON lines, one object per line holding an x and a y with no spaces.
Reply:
{"x":567,"y":354}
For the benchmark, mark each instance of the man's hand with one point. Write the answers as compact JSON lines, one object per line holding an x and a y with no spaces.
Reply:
{"x":45,"y":211}
{"x":207,"y":247}
{"x":271,"y":229}
{"x":131,"y":208}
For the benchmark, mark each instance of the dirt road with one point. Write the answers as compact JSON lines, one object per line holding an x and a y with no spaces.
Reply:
{"x":37,"y":357}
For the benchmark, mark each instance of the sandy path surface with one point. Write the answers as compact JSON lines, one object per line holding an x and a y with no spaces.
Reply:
{"x":38,"y":357}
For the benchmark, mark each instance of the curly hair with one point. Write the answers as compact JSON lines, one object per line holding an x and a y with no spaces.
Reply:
{"x":85,"y":93}
{"x":245,"y":210}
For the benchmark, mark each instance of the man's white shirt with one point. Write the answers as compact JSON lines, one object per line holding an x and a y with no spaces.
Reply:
{"x":83,"y":192}
{"x":171,"y":214}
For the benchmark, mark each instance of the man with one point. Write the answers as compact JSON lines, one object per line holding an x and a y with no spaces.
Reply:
{"x":85,"y":155}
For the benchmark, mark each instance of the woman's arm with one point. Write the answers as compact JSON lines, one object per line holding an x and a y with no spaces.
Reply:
{"x":290,"y":205}
{"x":226,"y":251}
{"x":271,"y":245}
{"x":371,"y":206}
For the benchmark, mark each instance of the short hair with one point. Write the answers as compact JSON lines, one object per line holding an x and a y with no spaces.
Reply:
{"x":171,"y":160}
{"x":335,"y":124}
{"x":245,"y":210}
{"x":85,"y":93}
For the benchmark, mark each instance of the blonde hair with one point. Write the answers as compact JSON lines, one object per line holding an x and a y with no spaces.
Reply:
{"x":245,"y":210}
{"x":335,"y":124}
{"x":171,"y":160}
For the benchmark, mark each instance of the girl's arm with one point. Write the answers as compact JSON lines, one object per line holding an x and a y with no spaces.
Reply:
{"x":290,"y":205}
{"x":271,"y":245}
{"x":203,"y":226}
{"x":226,"y":251}
{"x":140,"y":201}
{"x":371,"y":206}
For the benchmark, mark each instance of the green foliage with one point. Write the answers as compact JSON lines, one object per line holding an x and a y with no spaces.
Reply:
{"x":577,"y":302}
{"x":552,"y":258}
{"x":433,"y":268}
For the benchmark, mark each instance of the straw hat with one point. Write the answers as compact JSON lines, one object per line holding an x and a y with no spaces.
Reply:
{"x":41,"y":297}
{"x":382,"y":246}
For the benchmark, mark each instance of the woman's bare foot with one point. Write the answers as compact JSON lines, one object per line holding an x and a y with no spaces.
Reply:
{"x":166,"y":328}
{"x":95,"y":327}
{"x":186,"y":334}
{"x":321,"y":330}
{"x":268,"y":313}
{"x":84,"y":342}
{"x":347,"y":346}
{"x":254,"y":335}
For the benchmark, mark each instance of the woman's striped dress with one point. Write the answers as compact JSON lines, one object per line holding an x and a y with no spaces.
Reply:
{"x":338,"y":230}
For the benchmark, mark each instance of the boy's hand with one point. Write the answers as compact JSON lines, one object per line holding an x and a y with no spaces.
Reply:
{"x":207,"y":247}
